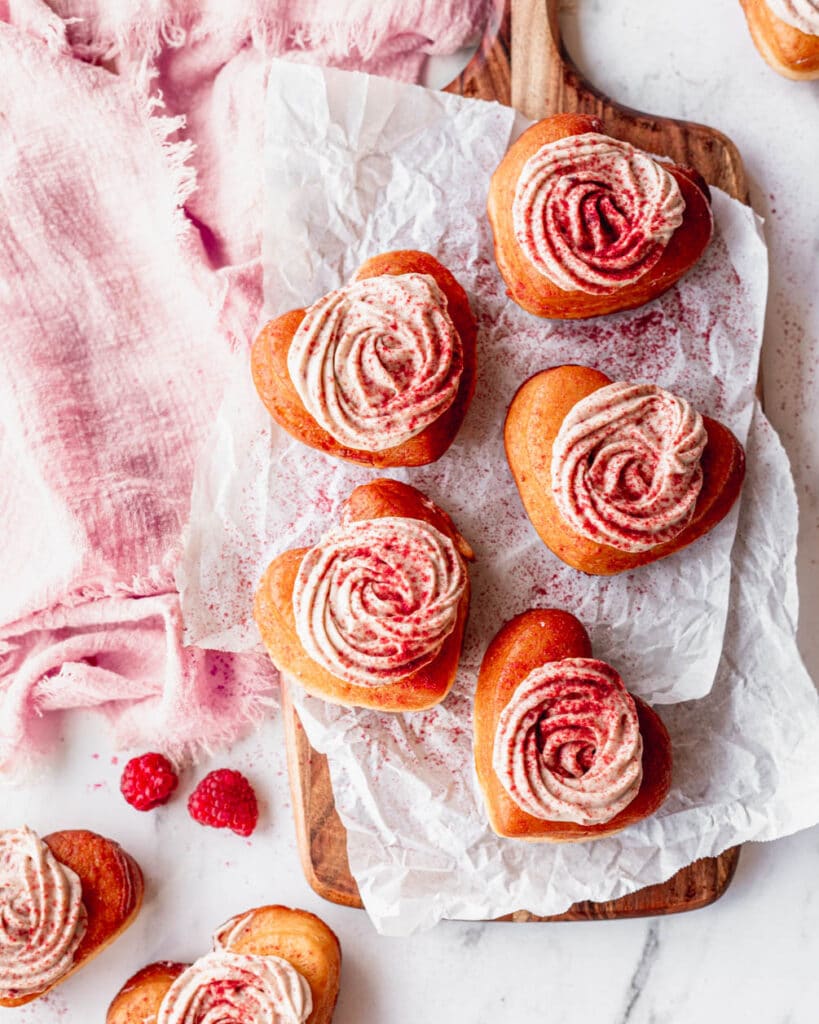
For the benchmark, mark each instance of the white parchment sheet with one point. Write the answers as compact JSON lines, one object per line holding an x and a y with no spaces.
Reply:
{"x":356,"y":166}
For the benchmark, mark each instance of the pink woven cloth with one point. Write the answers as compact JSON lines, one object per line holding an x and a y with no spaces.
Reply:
{"x":129,"y":266}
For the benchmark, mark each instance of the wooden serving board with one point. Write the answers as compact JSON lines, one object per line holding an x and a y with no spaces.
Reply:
{"x":522,"y":62}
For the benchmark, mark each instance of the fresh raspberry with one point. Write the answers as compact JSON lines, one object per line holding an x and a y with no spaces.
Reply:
{"x":225,"y":799}
{"x":148,"y":781}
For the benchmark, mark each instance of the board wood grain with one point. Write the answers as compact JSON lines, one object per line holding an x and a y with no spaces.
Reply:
{"x":522,"y":61}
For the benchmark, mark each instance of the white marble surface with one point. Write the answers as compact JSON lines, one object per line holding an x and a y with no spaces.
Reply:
{"x":752,"y":956}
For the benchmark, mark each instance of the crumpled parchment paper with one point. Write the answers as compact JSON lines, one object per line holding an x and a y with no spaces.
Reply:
{"x":356,"y":166}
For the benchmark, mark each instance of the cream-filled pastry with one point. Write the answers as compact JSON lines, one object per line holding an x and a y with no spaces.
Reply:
{"x":563,"y":752}
{"x":616,"y":474}
{"x":373,"y":614}
{"x":63,"y":899}
{"x":379,"y":372}
{"x":42,"y":916}
{"x":586,"y":224}
{"x":270,"y":965}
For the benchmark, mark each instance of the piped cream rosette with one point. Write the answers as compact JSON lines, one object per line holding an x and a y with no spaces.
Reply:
{"x":568,"y":744}
{"x":593,"y":214}
{"x":377,"y":362}
{"x":376,"y":599}
{"x":224,"y":986}
{"x":42,"y":916}
{"x":626,"y":465}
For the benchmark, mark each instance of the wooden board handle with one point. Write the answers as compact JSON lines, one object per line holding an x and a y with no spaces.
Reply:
{"x":487,"y":75}
{"x":543,"y":80}
{"x":536,"y":80}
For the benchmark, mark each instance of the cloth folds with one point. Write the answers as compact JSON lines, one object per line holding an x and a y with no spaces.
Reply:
{"x":130,"y":212}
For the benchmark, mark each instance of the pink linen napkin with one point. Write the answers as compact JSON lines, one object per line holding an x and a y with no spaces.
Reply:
{"x":119,"y":307}
{"x":112,"y":359}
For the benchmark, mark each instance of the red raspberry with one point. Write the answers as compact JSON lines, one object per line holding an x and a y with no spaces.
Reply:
{"x":148,"y":781}
{"x":225,"y":799}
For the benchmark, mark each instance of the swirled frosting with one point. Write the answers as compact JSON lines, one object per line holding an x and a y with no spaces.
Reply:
{"x":225,"y":936}
{"x":568,"y":744}
{"x":376,"y":599}
{"x":801,"y":14}
{"x":42,"y":917}
{"x":222,"y":987}
{"x":594,"y":214}
{"x":626,"y":465}
{"x":378,"y":361}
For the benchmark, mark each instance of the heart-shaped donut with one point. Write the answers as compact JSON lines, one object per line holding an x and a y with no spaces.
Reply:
{"x":372,"y":616}
{"x":585,"y":224}
{"x":380,"y":372}
{"x":563,"y":752}
{"x":617,"y":480}
{"x":64,"y":899}
{"x":271,"y":965}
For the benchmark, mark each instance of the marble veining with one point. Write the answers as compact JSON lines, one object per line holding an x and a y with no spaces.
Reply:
{"x":648,"y":956}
